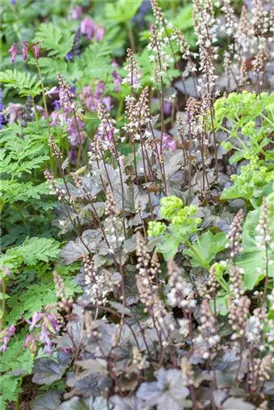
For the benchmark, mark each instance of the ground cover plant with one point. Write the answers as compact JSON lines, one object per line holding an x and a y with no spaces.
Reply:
{"x":137,"y":205}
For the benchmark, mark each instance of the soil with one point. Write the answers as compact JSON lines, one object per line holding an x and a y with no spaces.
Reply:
{"x":29,"y":392}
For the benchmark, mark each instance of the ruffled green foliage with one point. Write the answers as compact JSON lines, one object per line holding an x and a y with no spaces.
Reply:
{"x":249,"y":120}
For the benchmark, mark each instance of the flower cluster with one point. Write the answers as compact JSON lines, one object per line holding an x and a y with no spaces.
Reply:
{"x":65,"y":112}
{"x":235,"y":234}
{"x":209,"y":337}
{"x":99,"y":283}
{"x":92,"y":100}
{"x":5,"y":337}
{"x":147,"y":287}
{"x":27,"y":115}
{"x":138,"y":114}
{"x":92,"y":30}
{"x":134,"y":73}
{"x":106,"y":130}
{"x":181,"y":293}
{"x":117,"y":79}
{"x":205,"y":29}
{"x":46,"y":325}
{"x":25,"y":46}
{"x":160,"y":57}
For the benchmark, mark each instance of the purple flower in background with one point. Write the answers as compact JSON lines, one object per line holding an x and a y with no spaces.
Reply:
{"x":6,"y":336}
{"x":75,"y":130}
{"x":24,"y":50}
{"x":69,"y":56}
{"x":14,"y":51}
{"x":117,"y":79}
{"x":76,"y":13}
{"x":14,"y":112}
{"x":56,"y":105}
{"x":52,"y":323}
{"x":13,"y":2}
{"x":139,"y":17}
{"x":91,"y":100}
{"x":58,"y":118}
{"x":99,"y":33}
{"x":36,"y":49}
{"x":107,"y":103}
{"x":92,"y":30}
{"x":73,"y":89}
{"x":167,"y":107}
{"x":44,"y":337}
{"x":73,"y":156}
{"x":52,"y":92}
{"x":36,"y":317}
{"x":29,"y":341}
{"x":88,"y":27}
{"x":169,"y":143}
{"x":100,"y":88}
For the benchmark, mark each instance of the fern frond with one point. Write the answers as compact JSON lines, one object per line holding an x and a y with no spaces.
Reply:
{"x":30,"y":252}
{"x":13,"y":191}
{"x":69,"y":70}
{"x":54,"y":39}
{"x":25,"y":83}
{"x":95,"y":61}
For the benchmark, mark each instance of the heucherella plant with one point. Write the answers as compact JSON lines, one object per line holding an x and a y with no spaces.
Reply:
{"x":248,"y":119}
{"x":182,"y":231}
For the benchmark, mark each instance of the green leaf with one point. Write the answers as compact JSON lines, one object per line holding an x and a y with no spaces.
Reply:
{"x":252,"y":259}
{"x":206,"y":248}
{"x":122,"y":11}
{"x":47,"y":401}
{"x":54,"y":39}
{"x":25,"y":83}
{"x":95,"y":61}
{"x":12,"y":191}
{"x":169,"y":247}
{"x":30,"y":252}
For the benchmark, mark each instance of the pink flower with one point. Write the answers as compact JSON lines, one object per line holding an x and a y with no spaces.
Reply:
{"x":117,"y":79}
{"x":6,"y":336}
{"x":14,"y":112}
{"x":100,"y":88}
{"x":75,"y":130}
{"x":14,"y":51}
{"x":36,"y":317}
{"x":169,"y":143}
{"x":92,"y":100}
{"x":24,"y":50}
{"x":36,"y":50}
{"x":52,"y":323}
{"x":107,"y":103}
{"x":29,"y":339}
{"x":76,"y":13}
{"x":167,"y":107}
{"x":99,"y":33}
{"x":58,"y":118}
{"x":44,"y":337}
{"x":88,"y":27}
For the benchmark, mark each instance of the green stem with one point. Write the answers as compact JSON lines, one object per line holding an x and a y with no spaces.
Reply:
{"x":131,"y":37}
{"x":17,"y":404}
{"x":43,"y":92}
{"x":202,"y":262}
{"x":3,"y":304}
